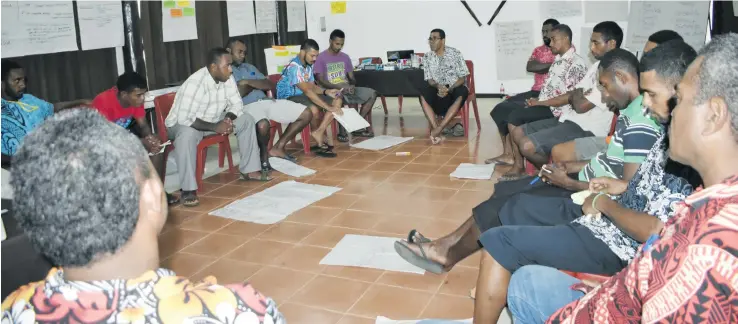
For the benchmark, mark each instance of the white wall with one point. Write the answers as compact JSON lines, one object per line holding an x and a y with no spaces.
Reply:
{"x":374,"y":27}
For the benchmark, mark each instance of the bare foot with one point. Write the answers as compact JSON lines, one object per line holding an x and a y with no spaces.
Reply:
{"x":318,"y":137}
{"x":277,"y":152}
{"x":436,"y":132}
{"x":432,"y":252}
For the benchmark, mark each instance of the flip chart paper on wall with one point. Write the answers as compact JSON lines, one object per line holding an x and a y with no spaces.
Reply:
{"x":241,"y":19}
{"x":296,"y":16}
{"x":598,"y":11}
{"x":513,"y":46}
{"x":338,"y":7}
{"x":100,"y":24}
{"x":279,"y":56}
{"x":37,"y":27}
{"x":560,"y":9}
{"x":266,"y":16}
{"x":178,"y":23}
{"x":688,"y":18}
{"x":169,"y":4}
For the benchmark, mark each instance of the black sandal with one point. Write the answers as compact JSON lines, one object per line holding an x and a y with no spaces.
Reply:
{"x":189,"y":199}
{"x":419,"y":260}
{"x":172,"y":199}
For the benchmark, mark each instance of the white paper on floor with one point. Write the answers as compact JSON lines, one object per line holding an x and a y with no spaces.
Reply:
{"x":384,"y":320}
{"x":351,"y":120}
{"x":275,"y":203}
{"x":381,"y":142}
{"x":289,"y":168}
{"x":369,"y":252}
{"x":474,"y":171}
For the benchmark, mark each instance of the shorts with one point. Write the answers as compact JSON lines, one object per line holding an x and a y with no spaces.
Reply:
{"x":586,"y":148}
{"x":547,"y":133}
{"x":281,"y":111}
{"x":441,"y":105}
{"x":360,"y":96}
{"x":303,"y":99}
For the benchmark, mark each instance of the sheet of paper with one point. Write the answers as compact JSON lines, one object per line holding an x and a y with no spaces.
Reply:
{"x":513,"y":46}
{"x":100,"y":24}
{"x":369,"y":252}
{"x":7,"y":190}
{"x":178,"y":20}
{"x":351,"y":120}
{"x":597,"y":11}
{"x":266,"y":16}
{"x":290,"y":168}
{"x":474,"y":171}
{"x":163,"y":147}
{"x":37,"y":27}
{"x":579,"y":197}
{"x":278,"y":56}
{"x":385,"y":320}
{"x":561,"y":9}
{"x":275,"y":203}
{"x":688,"y":18}
{"x":241,"y":19}
{"x":296,"y":15}
{"x":735,"y":8}
{"x":381,"y":142}
{"x":338,"y":7}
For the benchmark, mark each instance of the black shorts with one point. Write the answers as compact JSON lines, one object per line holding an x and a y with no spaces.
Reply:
{"x":502,"y":111}
{"x":547,"y":133}
{"x":441,"y":105}
{"x":305,"y":100}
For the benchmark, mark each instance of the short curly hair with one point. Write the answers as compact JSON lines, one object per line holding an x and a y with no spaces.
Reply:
{"x":77,"y":185}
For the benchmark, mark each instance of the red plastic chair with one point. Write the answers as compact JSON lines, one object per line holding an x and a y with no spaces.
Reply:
{"x":162,"y":106}
{"x":472,"y":98}
{"x":378,"y":60}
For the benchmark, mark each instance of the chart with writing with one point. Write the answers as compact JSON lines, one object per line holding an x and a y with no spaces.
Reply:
{"x":279,"y":56}
{"x":688,"y":18}
{"x":266,"y":16}
{"x":241,"y":20}
{"x":100,"y":24}
{"x":37,"y":27}
{"x":179,"y":21}
{"x":296,"y":15}
{"x":561,"y":9}
{"x":597,"y":11}
{"x":513,"y":46}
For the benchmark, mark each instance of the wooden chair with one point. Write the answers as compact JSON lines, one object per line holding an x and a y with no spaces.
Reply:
{"x":162,"y":106}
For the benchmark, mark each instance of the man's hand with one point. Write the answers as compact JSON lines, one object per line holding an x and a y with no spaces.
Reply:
{"x":442,"y":91}
{"x":348,"y":88}
{"x":610,"y":186}
{"x":151,"y":143}
{"x":333,"y":93}
{"x":224,"y":127}
{"x":532,"y":102}
{"x":555,"y":175}
{"x":587,"y":207}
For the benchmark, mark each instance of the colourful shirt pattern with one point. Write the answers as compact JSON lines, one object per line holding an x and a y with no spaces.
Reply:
{"x":445,"y":69}
{"x":21,"y":117}
{"x":294,"y":73}
{"x":689,"y":274}
{"x":335,"y":67}
{"x":542,"y":54}
{"x":635,"y":134}
{"x":563,"y":76}
{"x":155,"y":297}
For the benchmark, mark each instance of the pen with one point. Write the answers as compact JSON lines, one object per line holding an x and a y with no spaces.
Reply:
{"x":539,"y":177}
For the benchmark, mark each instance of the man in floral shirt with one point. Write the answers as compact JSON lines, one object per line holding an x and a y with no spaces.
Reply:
{"x":99,"y":221}
{"x":685,"y":272}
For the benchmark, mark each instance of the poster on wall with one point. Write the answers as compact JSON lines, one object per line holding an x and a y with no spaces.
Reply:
{"x":513,"y":46}
{"x":296,"y":16}
{"x":266,"y":16}
{"x":100,"y":24}
{"x":688,"y":18}
{"x":241,"y":20}
{"x":279,"y":56}
{"x":597,"y":11}
{"x":561,"y":9}
{"x":338,"y":7}
{"x":178,"y":21}
{"x":37,"y":27}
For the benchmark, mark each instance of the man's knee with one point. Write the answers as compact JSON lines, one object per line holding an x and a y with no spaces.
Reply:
{"x":186,"y":135}
{"x":263,"y":125}
{"x":563,"y":152}
{"x":527,"y":146}
{"x":306,"y":115}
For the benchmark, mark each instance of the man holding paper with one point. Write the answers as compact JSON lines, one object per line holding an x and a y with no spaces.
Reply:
{"x":123,"y":104}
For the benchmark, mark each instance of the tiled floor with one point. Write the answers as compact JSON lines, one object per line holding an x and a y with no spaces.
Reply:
{"x":383,"y":194}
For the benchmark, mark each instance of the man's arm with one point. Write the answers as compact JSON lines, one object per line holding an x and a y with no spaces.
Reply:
{"x":537,"y":67}
{"x":637,"y":225}
{"x":143,"y":125}
{"x":59,"y":106}
{"x":557,"y":101}
{"x":323,"y":82}
{"x":579,"y":102}
{"x":457,"y":84}
{"x":203,"y":126}
{"x":311,"y":91}
{"x":350,"y":76}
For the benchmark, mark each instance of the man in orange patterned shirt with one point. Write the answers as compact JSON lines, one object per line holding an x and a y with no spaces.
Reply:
{"x":91,"y":202}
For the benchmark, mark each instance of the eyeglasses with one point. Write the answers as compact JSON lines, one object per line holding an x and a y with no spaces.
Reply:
{"x":434,"y":39}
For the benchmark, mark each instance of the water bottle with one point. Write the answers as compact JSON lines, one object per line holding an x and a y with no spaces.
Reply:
{"x":502,"y":88}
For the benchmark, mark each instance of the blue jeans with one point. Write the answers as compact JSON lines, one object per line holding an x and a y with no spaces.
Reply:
{"x":536,"y":292}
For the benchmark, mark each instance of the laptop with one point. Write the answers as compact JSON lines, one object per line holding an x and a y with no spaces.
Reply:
{"x":394,"y":56}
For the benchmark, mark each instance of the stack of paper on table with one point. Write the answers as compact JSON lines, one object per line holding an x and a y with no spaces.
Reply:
{"x":275,"y":203}
{"x":289,"y":168}
{"x":385,"y":320}
{"x":369,"y":252}
{"x":381,"y":142}
{"x":474,"y":171}
{"x":351,"y":120}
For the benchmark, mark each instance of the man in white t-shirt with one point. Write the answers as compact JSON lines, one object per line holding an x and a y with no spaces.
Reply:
{"x":583,"y":112}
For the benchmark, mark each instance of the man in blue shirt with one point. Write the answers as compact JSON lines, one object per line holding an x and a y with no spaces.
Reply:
{"x":23,"y":112}
{"x":298,"y":85}
{"x":252,"y":85}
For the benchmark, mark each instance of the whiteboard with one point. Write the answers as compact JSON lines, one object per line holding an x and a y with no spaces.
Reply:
{"x":296,"y":15}
{"x":599,"y":11}
{"x":266,"y":16}
{"x":100,"y":24}
{"x":688,"y":18}
{"x":241,"y":20}
{"x":37,"y":27}
{"x":178,"y":20}
{"x":513,"y":45}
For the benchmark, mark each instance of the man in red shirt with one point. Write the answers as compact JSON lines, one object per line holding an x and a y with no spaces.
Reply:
{"x":123,"y":105}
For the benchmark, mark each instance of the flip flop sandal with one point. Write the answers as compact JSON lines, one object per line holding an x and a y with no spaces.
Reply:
{"x":511,"y":177}
{"x":264,"y":177}
{"x":342,"y":138}
{"x":496,"y":161}
{"x":326,"y":153}
{"x":172,"y":199}
{"x":190,"y":199}
{"x":420,"y":261}
{"x":318,"y":147}
{"x":287,"y":157}
{"x":363,"y":133}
